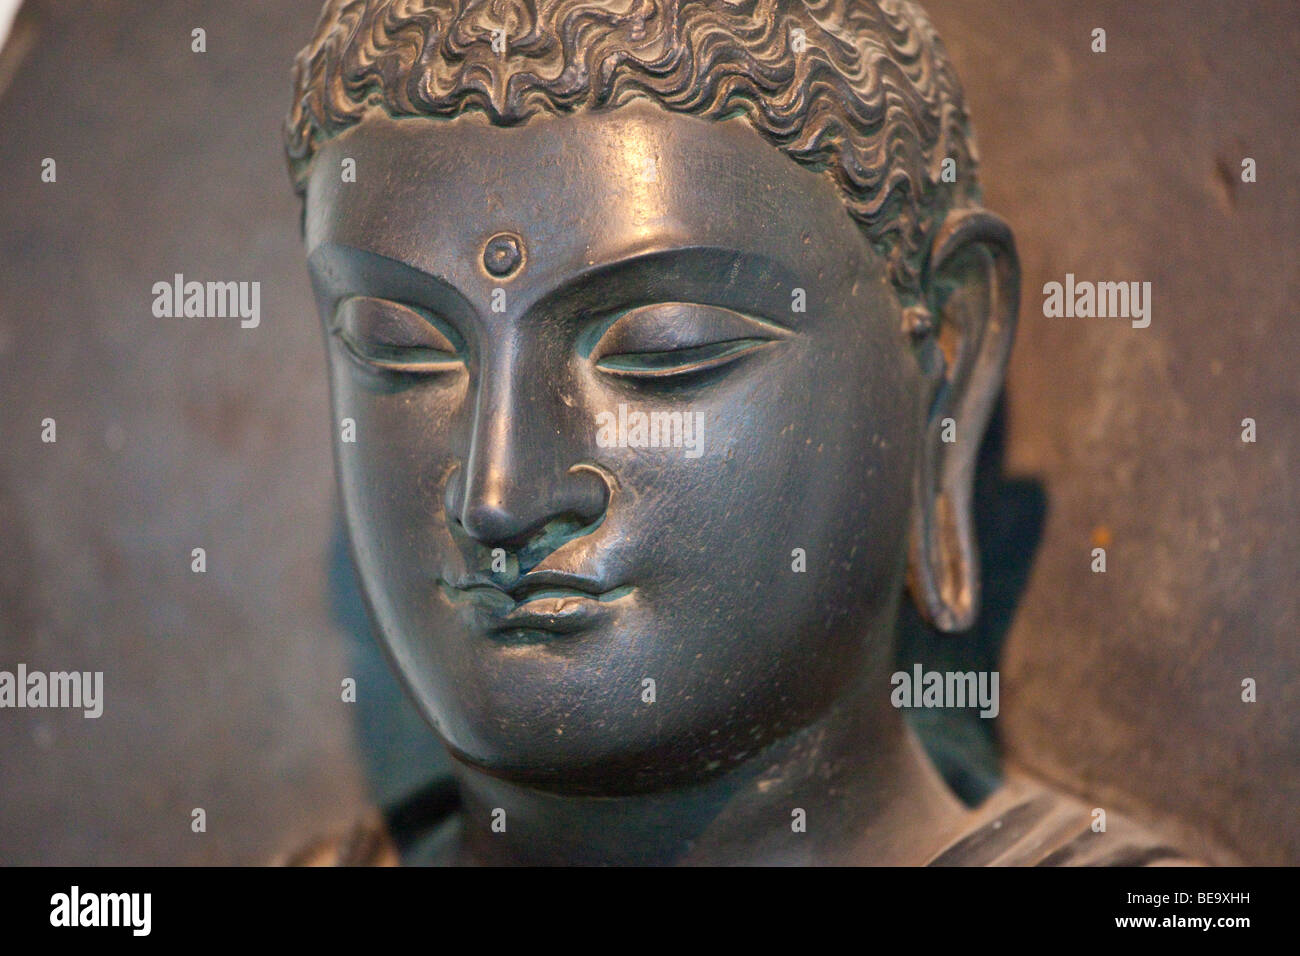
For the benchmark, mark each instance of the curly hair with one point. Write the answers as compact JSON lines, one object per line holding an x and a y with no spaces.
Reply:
{"x":860,"y":90}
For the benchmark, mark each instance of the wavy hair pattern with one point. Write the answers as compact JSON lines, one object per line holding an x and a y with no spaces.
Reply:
{"x":860,"y":90}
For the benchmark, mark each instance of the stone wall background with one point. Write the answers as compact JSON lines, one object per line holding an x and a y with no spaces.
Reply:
{"x":1126,"y":165}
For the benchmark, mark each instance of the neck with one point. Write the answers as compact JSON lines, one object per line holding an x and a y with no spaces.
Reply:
{"x":868,"y":793}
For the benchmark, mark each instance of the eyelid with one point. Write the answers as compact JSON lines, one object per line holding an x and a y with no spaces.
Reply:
{"x":686,"y":361}
{"x":395,"y":336}
{"x":667,"y":327}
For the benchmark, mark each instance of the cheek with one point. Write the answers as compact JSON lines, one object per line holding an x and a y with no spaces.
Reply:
{"x":391,"y":477}
{"x":800,"y":501}
{"x":847,"y":460}
{"x":864,"y":475}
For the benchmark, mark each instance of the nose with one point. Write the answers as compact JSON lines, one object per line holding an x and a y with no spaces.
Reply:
{"x":497,"y":511}
{"x":523,"y":485}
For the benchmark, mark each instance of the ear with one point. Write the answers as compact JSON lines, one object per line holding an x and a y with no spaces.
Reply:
{"x":972,"y":289}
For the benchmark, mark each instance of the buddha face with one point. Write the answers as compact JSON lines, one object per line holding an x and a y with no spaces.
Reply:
{"x":635,"y":430}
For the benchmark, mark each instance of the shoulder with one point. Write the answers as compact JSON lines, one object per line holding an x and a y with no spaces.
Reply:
{"x":1026,"y":823}
{"x":365,"y":843}
{"x":420,"y":829}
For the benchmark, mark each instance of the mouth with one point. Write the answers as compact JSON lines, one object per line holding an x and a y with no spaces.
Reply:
{"x":537,"y":607}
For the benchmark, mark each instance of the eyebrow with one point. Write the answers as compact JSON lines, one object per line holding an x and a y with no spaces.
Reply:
{"x":707,"y":275}
{"x":340,"y":271}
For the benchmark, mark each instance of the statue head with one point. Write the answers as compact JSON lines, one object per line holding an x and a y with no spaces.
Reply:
{"x":662,"y":338}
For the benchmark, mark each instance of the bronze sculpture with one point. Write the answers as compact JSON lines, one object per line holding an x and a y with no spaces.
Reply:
{"x":667,"y":333}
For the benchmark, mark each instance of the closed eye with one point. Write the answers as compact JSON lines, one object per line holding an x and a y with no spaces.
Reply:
{"x":671,"y":339}
{"x":395,"y":337}
{"x":685,"y":361}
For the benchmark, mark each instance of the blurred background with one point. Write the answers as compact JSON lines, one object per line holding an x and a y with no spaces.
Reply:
{"x":223,"y":689}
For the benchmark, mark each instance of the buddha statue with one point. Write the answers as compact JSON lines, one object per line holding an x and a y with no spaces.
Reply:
{"x":662,"y":338}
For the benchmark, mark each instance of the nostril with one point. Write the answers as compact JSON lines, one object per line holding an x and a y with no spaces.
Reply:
{"x":453,"y":494}
{"x":533,"y":548}
{"x":595,"y":487}
{"x":529,"y":527}
{"x":490,"y":525}
{"x":477,"y":507}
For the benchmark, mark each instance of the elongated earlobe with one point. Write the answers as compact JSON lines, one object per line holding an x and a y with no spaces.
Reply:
{"x":973,"y":294}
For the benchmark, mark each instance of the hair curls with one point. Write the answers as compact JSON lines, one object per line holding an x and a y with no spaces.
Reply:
{"x":861,"y":90}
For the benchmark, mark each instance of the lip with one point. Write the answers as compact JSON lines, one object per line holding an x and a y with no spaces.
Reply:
{"x":537,"y":607}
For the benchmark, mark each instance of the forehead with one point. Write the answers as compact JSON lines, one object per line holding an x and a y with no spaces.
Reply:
{"x":580,"y":189}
